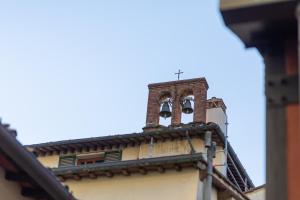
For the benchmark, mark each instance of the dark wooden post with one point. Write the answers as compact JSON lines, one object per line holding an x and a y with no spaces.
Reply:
{"x":277,"y":39}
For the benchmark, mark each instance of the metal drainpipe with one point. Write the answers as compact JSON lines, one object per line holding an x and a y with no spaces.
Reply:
{"x":207,"y":188}
{"x":226,"y":143}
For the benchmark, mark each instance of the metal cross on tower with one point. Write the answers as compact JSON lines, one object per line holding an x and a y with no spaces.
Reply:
{"x":178,"y":74}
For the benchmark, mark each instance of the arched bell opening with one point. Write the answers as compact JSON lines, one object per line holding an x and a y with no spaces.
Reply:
{"x":187,"y":109}
{"x":165,"y":111}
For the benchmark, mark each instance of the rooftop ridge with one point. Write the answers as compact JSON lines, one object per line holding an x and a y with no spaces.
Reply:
{"x":208,"y":126}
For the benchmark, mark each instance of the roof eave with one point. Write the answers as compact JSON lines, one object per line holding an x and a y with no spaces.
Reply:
{"x":198,"y":130}
{"x":143,"y":166}
{"x":259,"y":23}
{"x":29,"y":164}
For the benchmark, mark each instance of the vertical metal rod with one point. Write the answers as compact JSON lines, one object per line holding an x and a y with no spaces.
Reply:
{"x":245,"y":184}
{"x":190,"y":143}
{"x":226,"y":142}
{"x":207,"y":188}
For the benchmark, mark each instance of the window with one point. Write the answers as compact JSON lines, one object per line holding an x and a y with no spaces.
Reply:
{"x":113,"y":156}
{"x":89,"y":158}
{"x":65,"y":161}
{"x":92,"y":158}
{"x":101,"y":157}
{"x":84,"y":161}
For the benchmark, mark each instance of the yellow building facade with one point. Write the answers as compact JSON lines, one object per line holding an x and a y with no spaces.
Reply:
{"x":164,"y":179}
{"x":169,"y":163}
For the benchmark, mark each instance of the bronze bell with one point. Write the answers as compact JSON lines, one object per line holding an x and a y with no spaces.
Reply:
{"x":187,"y":107}
{"x":165,"y":110}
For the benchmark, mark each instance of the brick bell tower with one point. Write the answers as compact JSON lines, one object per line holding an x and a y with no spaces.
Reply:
{"x":175,"y":92}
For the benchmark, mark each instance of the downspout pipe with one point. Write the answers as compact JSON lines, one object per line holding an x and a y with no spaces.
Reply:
{"x":210,"y":146}
{"x":41,"y":175}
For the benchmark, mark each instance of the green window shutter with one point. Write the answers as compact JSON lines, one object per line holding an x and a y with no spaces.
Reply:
{"x":113,"y":156}
{"x":65,"y":161}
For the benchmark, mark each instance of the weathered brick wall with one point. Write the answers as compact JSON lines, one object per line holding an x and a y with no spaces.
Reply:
{"x":177,"y":90}
{"x":216,"y":103}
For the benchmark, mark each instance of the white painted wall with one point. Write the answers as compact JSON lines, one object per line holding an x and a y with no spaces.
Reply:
{"x":217,"y":116}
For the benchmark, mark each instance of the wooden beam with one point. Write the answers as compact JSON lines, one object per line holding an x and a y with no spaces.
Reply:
{"x":16,"y":176}
{"x":235,"y":182}
{"x":76,"y":177}
{"x":92,"y":175}
{"x":141,"y":140}
{"x":125,"y":172}
{"x":161,"y":169}
{"x":94,"y":143}
{"x":132,"y":144}
{"x":61,"y":178}
{"x":143,"y":171}
{"x":102,"y":147}
{"x":7,"y":164}
{"x":46,"y":149}
{"x":55,"y":152}
{"x":223,"y":185}
{"x":178,"y":168}
{"x":33,"y":193}
{"x":109,"y":174}
{"x":236,"y":169}
{"x":223,"y":195}
{"x":125,"y":140}
{"x":202,"y":175}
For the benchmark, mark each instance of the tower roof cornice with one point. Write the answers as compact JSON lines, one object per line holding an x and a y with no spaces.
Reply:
{"x":180,"y":82}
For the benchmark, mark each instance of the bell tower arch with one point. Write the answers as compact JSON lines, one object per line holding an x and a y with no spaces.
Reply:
{"x":175,"y":93}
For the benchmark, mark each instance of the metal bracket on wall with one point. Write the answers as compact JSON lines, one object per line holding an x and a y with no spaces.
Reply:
{"x":190,"y":143}
{"x":282,"y":89}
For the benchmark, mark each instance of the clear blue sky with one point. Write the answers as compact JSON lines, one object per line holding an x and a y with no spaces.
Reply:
{"x":74,"y":69}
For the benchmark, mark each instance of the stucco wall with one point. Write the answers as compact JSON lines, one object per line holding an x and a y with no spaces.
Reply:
{"x":219,"y":161}
{"x":171,"y":185}
{"x":130,"y":153}
{"x":49,"y":161}
{"x":258,"y":194}
{"x":159,"y":149}
{"x":9,"y":190}
{"x":218,"y":116}
{"x":170,"y":148}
